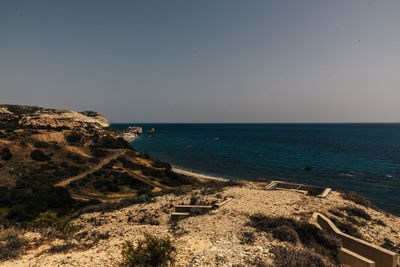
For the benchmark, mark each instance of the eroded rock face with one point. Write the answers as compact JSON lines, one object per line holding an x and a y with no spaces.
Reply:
{"x":97,"y":116}
{"x":134,"y":130}
{"x":40,"y":117}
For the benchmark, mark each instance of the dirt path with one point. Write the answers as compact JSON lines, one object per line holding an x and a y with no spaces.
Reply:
{"x":146,"y":180}
{"x":116,"y":154}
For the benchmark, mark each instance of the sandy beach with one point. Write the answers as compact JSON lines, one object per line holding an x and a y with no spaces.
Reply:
{"x":199,"y":175}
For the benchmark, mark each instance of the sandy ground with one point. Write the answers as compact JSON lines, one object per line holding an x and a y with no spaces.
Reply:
{"x":199,"y":175}
{"x":205,"y":240}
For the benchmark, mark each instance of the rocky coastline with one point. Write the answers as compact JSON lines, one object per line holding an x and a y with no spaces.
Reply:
{"x":73,"y":193}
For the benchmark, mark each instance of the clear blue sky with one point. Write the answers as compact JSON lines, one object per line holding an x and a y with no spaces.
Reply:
{"x":205,"y":61}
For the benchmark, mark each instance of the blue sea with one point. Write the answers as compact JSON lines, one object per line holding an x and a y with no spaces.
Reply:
{"x":363,"y":158}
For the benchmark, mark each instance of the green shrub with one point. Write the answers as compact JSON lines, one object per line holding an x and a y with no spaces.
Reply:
{"x":41,"y":144}
{"x":6,"y":154}
{"x":290,"y":257}
{"x":346,"y":227}
{"x":39,"y":155}
{"x":98,"y":152}
{"x":11,"y":243}
{"x":247,"y":238}
{"x":257,"y":262}
{"x":285,"y":233}
{"x":321,"y":241}
{"x":50,"y":219}
{"x":355,"y":221}
{"x":74,"y":137}
{"x":61,"y":248}
{"x":307,"y":233}
{"x":267,"y":224}
{"x":355,"y":211}
{"x":337,"y":213}
{"x":26,"y":202}
{"x":356,"y":198}
{"x":149,"y":218}
{"x":193,"y":200}
{"x":159,"y":164}
{"x":388,"y":244}
{"x":110,"y":142}
{"x":150,"y":251}
{"x":145,"y":190}
{"x":380,"y":222}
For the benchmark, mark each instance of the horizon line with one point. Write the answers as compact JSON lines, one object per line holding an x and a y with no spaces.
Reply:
{"x":256,"y":122}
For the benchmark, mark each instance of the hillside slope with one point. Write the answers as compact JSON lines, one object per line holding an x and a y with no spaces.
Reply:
{"x":229,"y":236}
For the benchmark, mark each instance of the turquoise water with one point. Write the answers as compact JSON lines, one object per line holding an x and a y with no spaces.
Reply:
{"x":364,"y":158}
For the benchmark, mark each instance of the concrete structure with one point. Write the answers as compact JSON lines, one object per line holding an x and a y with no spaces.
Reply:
{"x":179,"y":215}
{"x":193,"y":209}
{"x":183,"y":211}
{"x":348,"y":257}
{"x":362,"y":253}
{"x":218,"y":205}
{"x":311,"y":190}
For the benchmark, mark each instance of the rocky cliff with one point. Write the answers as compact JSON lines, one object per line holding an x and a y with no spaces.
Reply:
{"x":40,"y":117}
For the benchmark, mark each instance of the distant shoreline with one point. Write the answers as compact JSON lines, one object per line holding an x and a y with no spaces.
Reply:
{"x":198,"y":175}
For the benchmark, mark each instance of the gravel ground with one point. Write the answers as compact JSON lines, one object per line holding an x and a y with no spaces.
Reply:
{"x":204,"y":240}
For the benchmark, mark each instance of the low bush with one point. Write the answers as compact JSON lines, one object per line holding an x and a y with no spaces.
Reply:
{"x":355,"y":221}
{"x":98,"y":152}
{"x":355,"y":211}
{"x":150,"y":251}
{"x":337,"y":213}
{"x":285,"y":233}
{"x":149,"y":218}
{"x":267,"y":224}
{"x":145,"y":190}
{"x":76,"y":157}
{"x":160,"y":164}
{"x":291,"y":257}
{"x":346,"y":227}
{"x":50,"y":220}
{"x":257,"y":262}
{"x":61,"y":248}
{"x":11,"y":243}
{"x":380,"y":222}
{"x":56,"y":146}
{"x":93,"y":160}
{"x":247,"y":238}
{"x":74,"y":137}
{"x":193,"y":200}
{"x":213,"y":186}
{"x":388,"y":244}
{"x":6,"y":154}
{"x":356,"y":198}
{"x":111,"y":206}
{"x":39,"y":155}
{"x":41,"y":144}
{"x":24,"y":202}
{"x":285,"y":229}
{"x":111,"y":142}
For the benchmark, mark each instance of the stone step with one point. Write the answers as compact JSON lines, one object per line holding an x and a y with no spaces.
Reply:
{"x":192,"y":208}
{"x":271,"y":185}
{"x":218,"y":205}
{"x":179,"y":215}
